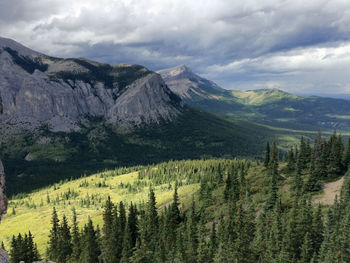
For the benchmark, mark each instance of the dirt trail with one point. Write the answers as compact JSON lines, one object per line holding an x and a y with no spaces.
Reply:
{"x":330,"y":191}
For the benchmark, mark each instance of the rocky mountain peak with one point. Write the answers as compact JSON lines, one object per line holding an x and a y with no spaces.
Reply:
{"x":182,"y":81}
{"x":178,"y":72}
{"x":6,"y":43}
{"x":36,"y":90}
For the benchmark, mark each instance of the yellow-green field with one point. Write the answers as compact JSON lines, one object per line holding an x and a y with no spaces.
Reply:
{"x":87,"y":195}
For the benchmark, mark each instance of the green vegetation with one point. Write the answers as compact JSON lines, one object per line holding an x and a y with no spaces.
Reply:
{"x":28,"y":64}
{"x":42,"y":158}
{"x":279,"y":109}
{"x":188,"y":211}
{"x":194,"y":211}
{"x":124,"y":75}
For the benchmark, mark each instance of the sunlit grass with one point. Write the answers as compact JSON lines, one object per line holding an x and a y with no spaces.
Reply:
{"x":33,"y":212}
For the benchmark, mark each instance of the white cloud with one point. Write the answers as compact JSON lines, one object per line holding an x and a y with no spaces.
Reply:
{"x":229,"y":41}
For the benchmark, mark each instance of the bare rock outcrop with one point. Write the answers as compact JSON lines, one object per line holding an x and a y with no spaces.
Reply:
{"x":4,"y":257}
{"x":36,"y":89}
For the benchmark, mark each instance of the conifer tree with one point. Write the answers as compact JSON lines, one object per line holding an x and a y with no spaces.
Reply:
{"x":15,"y":255}
{"x":91,"y":250}
{"x":312,"y":183}
{"x":132,"y":224}
{"x":127,"y":245}
{"x":203,"y":253}
{"x":53,"y":248}
{"x":346,"y":158}
{"x":108,"y":240}
{"x":267,"y":155}
{"x":76,"y":242}
{"x":306,"y":250}
{"x":64,"y":241}
{"x":212,"y":243}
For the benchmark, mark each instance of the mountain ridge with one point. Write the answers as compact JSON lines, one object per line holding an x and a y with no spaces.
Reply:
{"x":36,"y":90}
{"x":272,"y":107}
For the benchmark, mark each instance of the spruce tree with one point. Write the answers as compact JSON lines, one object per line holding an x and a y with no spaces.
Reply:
{"x":64,"y":241}
{"x":108,"y":244}
{"x":267,"y":155}
{"x":76,"y":239}
{"x":53,"y":248}
{"x":90,"y":247}
{"x":306,"y":250}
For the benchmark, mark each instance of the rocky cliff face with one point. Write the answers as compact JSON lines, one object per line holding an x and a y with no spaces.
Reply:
{"x":36,"y":89}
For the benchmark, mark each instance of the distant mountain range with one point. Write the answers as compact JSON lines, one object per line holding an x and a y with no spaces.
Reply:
{"x":268,"y":106}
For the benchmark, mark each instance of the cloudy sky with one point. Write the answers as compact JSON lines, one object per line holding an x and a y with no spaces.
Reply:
{"x":298,"y":46}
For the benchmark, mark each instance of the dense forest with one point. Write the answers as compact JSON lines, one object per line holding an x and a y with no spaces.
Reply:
{"x":224,"y":221}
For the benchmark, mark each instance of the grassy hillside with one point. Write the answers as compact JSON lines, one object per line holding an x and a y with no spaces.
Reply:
{"x":32,"y":212}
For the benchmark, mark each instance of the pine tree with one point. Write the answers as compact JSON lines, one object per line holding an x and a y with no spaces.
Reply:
{"x":127,"y":246}
{"x":53,"y":248}
{"x":64,"y":241}
{"x":317,"y":229}
{"x":346,"y":158}
{"x":15,"y":251}
{"x":267,"y":155}
{"x":192,"y":234}
{"x":203,"y":253}
{"x":212,"y":243}
{"x":108,"y":241}
{"x":312,"y":183}
{"x":291,"y":160}
{"x":132,"y":224}
{"x":245,"y":230}
{"x":90,"y":247}
{"x":76,"y":239}
{"x":306,"y":250}
{"x":33,"y":254}
{"x":272,"y":198}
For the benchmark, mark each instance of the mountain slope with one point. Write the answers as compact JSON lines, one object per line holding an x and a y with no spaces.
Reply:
{"x":268,"y":106}
{"x":36,"y":90}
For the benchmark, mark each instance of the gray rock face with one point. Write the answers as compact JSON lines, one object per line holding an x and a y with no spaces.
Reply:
{"x":4,"y":257}
{"x":36,"y":89}
{"x":183,"y":82}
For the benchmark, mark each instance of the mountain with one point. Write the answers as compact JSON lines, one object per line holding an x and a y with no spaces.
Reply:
{"x":63,"y":118}
{"x":199,"y":92}
{"x":36,"y":90}
{"x":268,"y":106}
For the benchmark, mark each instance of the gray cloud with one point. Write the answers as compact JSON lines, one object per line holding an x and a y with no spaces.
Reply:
{"x":293,"y":45}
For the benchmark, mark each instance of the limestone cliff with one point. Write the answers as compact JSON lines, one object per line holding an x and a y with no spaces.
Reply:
{"x":36,"y":89}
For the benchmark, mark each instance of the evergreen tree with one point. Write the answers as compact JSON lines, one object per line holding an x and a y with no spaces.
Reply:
{"x":76,"y":239}
{"x":64,"y":241}
{"x":90,"y":247}
{"x":53,"y":248}
{"x":267,"y":155}
{"x":346,"y":158}
{"x":306,"y":250}
{"x":132,"y":224}
{"x":108,"y":241}
{"x":312,"y":183}
{"x":272,"y":198}
{"x":203,"y":253}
